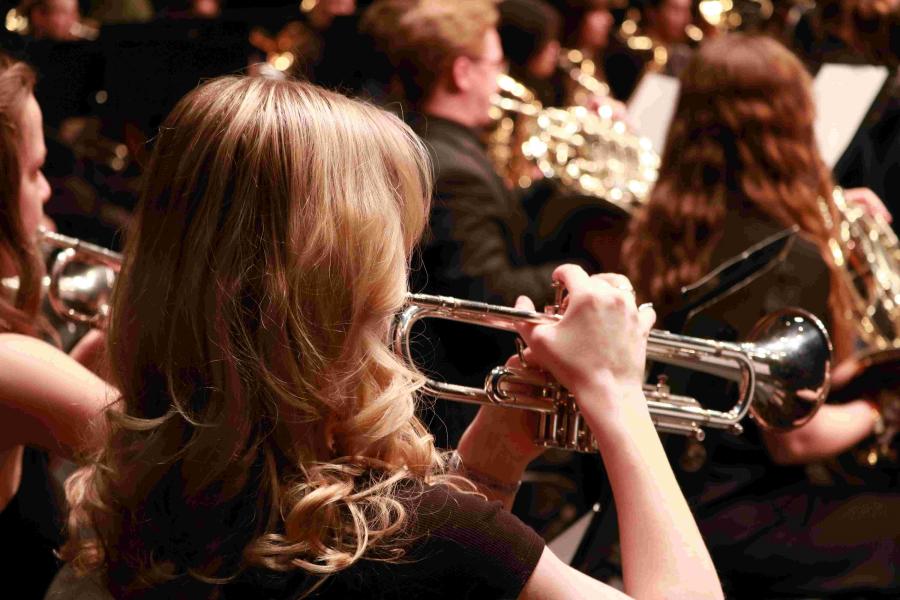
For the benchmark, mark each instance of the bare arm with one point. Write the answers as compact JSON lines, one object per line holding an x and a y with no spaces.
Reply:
{"x":836,"y":428}
{"x":598,"y":352}
{"x":495,"y":450}
{"x":47,"y":399}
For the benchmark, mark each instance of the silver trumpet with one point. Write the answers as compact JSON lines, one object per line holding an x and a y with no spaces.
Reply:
{"x":79,"y":281}
{"x":783,"y":373}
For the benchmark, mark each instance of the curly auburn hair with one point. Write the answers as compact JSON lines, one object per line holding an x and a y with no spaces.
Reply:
{"x":265,"y":423}
{"x":741,"y":137}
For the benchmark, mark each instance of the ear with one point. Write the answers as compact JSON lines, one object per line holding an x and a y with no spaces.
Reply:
{"x":460,"y":74}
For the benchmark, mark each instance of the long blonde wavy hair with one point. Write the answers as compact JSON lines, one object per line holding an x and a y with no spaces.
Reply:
{"x":742,"y":136}
{"x":264,"y":422}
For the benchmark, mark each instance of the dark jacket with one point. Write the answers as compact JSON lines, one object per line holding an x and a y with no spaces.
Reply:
{"x":475,"y":250}
{"x":476,"y":246}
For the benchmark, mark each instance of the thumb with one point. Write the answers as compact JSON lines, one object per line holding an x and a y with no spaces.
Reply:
{"x":524,"y":303}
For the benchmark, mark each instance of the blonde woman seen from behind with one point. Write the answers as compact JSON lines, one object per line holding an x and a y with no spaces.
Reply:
{"x":267,"y":442}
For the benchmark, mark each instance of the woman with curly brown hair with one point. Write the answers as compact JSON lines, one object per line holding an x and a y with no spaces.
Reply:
{"x":267,"y":443}
{"x":741,"y":163}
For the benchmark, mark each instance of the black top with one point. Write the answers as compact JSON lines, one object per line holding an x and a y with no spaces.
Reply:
{"x":31,"y":525}
{"x":801,"y":280}
{"x":461,"y":547}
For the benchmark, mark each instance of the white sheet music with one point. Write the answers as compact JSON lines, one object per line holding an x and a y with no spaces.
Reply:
{"x":565,"y":545}
{"x":843,"y":95}
{"x":652,"y":106}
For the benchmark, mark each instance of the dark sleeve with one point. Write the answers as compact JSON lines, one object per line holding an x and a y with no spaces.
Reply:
{"x":480,"y":546}
{"x":474,"y":244}
{"x":456,"y":547}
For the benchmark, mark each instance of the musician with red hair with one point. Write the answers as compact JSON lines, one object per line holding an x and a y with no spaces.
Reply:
{"x":740,"y":164}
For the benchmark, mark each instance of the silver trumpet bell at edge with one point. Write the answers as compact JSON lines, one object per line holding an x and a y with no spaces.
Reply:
{"x":80,"y":280}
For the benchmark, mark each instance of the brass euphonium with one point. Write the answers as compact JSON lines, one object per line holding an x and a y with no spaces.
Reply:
{"x":866,"y":250}
{"x":867,"y":253}
{"x":784,"y":373}
{"x":589,"y":152}
{"x":79,"y":282}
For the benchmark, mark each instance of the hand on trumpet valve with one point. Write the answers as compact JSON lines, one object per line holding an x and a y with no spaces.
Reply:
{"x":601,"y":340}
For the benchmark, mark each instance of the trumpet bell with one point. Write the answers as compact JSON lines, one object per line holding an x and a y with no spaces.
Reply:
{"x":84,"y":291}
{"x":795,"y":376}
{"x":81,"y":278}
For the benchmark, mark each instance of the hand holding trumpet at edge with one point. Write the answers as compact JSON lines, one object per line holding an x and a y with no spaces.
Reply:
{"x":598,"y":349}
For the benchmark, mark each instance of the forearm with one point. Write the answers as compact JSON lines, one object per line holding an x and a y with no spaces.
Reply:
{"x":493,"y":461}
{"x":836,"y":428}
{"x":47,"y":399}
{"x":663,"y":553}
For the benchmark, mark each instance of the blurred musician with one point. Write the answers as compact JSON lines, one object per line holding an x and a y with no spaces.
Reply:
{"x":740,"y":164}
{"x":529,"y":33}
{"x":587,"y":26}
{"x":844,"y":30}
{"x":317,"y":46}
{"x":586,"y":33}
{"x":57,"y":20}
{"x":668,"y":20}
{"x":447,"y":58}
{"x":534,"y":35}
{"x":47,"y":400}
{"x":659,"y":43}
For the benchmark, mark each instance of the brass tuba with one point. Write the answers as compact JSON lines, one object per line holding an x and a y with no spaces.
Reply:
{"x":588,"y":152}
